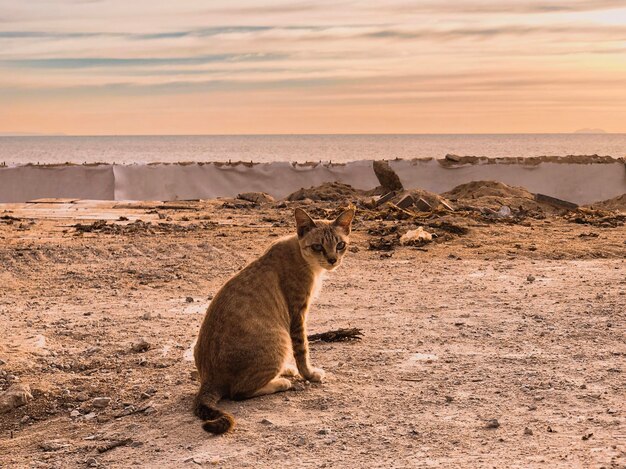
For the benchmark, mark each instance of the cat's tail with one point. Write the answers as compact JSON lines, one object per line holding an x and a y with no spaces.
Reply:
{"x":215,"y":420}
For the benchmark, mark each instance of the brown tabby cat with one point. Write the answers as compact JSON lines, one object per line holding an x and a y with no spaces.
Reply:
{"x":258,"y":317}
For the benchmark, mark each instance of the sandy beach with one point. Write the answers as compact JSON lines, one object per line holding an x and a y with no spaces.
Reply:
{"x":498,"y":344}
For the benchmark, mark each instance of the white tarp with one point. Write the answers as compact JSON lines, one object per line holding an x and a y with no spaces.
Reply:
{"x":576,"y":182}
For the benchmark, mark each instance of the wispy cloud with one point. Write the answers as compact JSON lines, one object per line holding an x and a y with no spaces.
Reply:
{"x":324,"y":57}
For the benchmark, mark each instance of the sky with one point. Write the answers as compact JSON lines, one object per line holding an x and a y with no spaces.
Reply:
{"x":113,"y":67}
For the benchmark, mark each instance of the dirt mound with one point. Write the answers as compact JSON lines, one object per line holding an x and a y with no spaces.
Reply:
{"x":616,"y":203}
{"x":328,"y":191}
{"x":481,"y":189}
{"x":493,"y":195}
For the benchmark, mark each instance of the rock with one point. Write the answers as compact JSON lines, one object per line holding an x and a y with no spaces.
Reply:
{"x":82,"y":396}
{"x":416,"y":237}
{"x":300,"y":441}
{"x":267,"y":422}
{"x":25,"y":419}
{"x":146,"y":316}
{"x":53,"y":445}
{"x":141,"y":346}
{"x":492,"y":423}
{"x":323,"y":431}
{"x":453,"y":158}
{"x":546,"y":199}
{"x":75,"y":413}
{"x":530,"y":278}
{"x":16,"y":396}
{"x":256,"y":197}
{"x":387,"y":177}
{"x":528,"y":431}
{"x":189,"y":299}
{"x":101,"y":402}
{"x":90,"y":416}
{"x":406,"y":201}
{"x":91,"y":462}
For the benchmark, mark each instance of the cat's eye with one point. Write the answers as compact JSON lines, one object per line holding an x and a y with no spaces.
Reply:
{"x":341,"y":246}
{"x":317,"y":247}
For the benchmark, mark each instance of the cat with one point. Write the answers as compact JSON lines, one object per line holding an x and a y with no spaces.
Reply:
{"x":258,"y":317}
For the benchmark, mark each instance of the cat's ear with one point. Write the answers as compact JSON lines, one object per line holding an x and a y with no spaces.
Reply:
{"x":304,"y":222}
{"x":344,"y":221}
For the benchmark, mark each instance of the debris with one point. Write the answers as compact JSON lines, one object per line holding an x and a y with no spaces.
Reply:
{"x":405,"y":202}
{"x":504,"y":212}
{"x":559,"y":203}
{"x":114,"y":444}
{"x":385,"y":198}
{"x":381,"y":244}
{"x":256,"y":197}
{"x":141,"y":346}
{"x":337,"y":335}
{"x":422,"y":205}
{"x":101,"y":402}
{"x":416,"y":237}
{"x":387,"y":177}
{"x":16,"y":396}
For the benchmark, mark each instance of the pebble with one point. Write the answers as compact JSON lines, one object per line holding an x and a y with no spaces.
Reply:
{"x":75,"y":413}
{"x":323,"y":431}
{"x":101,"y":402}
{"x":300,"y":441}
{"x":267,"y":422}
{"x":82,"y":397}
{"x":530,"y":278}
{"x":492,"y":423}
{"x":189,"y":299}
{"x":25,"y":419}
{"x":91,"y":462}
{"x":528,"y":431}
{"x":141,"y":346}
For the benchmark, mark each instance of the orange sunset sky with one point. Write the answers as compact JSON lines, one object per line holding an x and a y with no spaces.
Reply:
{"x":98,"y":67}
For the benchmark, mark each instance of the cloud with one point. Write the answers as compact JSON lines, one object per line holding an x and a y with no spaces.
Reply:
{"x":95,"y":62}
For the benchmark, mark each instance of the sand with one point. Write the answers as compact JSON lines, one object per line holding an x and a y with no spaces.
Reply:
{"x":500,"y":347}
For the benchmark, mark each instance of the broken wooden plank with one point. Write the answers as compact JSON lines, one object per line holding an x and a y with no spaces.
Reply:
{"x":547,"y":199}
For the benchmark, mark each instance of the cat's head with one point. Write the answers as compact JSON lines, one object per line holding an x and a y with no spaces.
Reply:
{"x":323,"y":243}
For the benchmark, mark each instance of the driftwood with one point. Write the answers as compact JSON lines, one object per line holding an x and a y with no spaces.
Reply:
{"x":338,"y":335}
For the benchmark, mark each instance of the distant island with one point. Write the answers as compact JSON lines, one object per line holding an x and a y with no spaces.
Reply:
{"x":590,"y":131}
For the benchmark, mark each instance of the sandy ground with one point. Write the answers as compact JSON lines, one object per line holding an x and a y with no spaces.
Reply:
{"x":502,"y":347}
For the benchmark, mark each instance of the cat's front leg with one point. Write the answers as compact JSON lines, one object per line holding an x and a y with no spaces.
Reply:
{"x":300,"y":345}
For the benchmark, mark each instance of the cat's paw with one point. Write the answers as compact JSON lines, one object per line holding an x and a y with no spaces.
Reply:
{"x":289,"y":371}
{"x":315,"y":375}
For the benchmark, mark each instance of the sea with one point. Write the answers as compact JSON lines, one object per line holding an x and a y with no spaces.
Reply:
{"x":19,"y":150}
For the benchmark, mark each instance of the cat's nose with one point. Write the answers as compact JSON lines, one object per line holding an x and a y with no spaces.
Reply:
{"x":332,"y":260}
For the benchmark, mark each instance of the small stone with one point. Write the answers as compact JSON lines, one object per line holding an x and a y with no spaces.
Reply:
{"x":101,"y":402}
{"x":53,"y":445}
{"x":528,"y":431}
{"x":25,"y":419}
{"x":300,"y":441}
{"x":586,"y":436}
{"x":267,"y":422}
{"x":146,"y":316}
{"x":449,"y":398}
{"x":323,"y":431}
{"x":75,"y":413}
{"x":82,"y":397}
{"x":91,"y":462}
{"x":492,"y":423}
{"x":189,"y":299}
{"x":530,"y":278}
{"x":16,"y":396}
{"x":90,"y":416}
{"x":141,"y":346}
{"x":150,"y":410}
